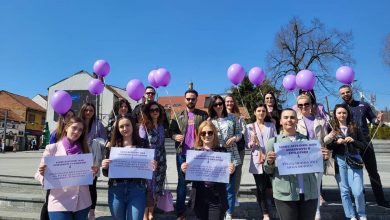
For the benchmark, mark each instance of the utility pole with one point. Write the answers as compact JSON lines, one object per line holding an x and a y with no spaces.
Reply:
{"x":5,"y":126}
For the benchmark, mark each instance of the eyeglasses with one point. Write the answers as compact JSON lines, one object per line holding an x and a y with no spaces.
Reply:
{"x":190,"y":99}
{"x":218,"y":104}
{"x":209,"y":133}
{"x":154,"y":110}
{"x":150,"y":93}
{"x":304,"y":104}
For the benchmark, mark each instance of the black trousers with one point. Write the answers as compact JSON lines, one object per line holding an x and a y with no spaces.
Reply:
{"x":93,"y":192}
{"x":297,"y":210}
{"x":261,"y":186}
{"x":369,"y":160}
{"x":209,"y":205}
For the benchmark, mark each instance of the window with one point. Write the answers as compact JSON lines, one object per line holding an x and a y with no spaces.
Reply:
{"x":43,"y":119}
{"x":31,"y":118}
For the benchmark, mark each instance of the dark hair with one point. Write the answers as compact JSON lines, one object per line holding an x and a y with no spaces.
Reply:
{"x":146,"y":119}
{"x":275,"y":106}
{"x":345,"y":86}
{"x":191,"y":91}
{"x":61,"y":124}
{"x":350,"y":124}
{"x":212,"y":112}
{"x":267,"y":117}
{"x":287,"y":109}
{"x":236,"y":110}
{"x":83,"y":137}
{"x":119,"y":103}
{"x":149,"y":87}
{"x":116,"y":137}
{"x":85,"y":105}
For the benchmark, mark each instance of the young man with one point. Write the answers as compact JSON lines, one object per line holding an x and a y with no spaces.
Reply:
{"x":183,"y":129}
{"x":361,"y":111}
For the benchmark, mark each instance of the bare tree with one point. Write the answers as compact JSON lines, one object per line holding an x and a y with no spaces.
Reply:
{"x":313,"y":47}
{"x":386,"y":51}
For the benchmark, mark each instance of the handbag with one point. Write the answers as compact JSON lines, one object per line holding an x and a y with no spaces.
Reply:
{"x":329,"y":168}
{"x":165,"y":201}
{"x":353,"y":162}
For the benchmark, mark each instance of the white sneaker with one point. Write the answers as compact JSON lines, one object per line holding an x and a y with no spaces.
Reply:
{"x":363,"y":218}
{"x":228,"y":216}
{"x":353,"y":218}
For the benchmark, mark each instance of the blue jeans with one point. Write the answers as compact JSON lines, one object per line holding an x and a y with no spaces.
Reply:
{"x":181,"y":190}
{"x":231,"y":194}
{"x":347,"y":179}
{"x":127,"y":201}
{"x":79,"y":215}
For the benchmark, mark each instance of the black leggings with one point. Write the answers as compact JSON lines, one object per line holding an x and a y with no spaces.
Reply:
{"x":261,"y":186}
{"x":93,"y":193}
{"x":297,"y":210}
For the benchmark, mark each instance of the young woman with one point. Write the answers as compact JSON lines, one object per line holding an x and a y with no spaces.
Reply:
{"x":95,"y":130}
{"x":273,"y":109}
{"x":126,"y":196}
{"x":313,"y":126}
{"x":62,"y":120}
{"x":71,"y":202}
{"x":122,"y":107}
{"x":346,"y":140}
{"x":257,"y":135}
{"x":232,"y":108}
{"x":210,"y":197}
{"x":229,"y":132}
{"x":152,"y":131}
{"x":296,"y":196}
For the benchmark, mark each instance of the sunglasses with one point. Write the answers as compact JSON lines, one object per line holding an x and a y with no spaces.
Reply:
{"x":154,"y":110}
{"x":190,"y":99}
{"x":304,"y":104}
{"x":150,"y":93}
{"x":209,"y":133}
{"x":218,"y":104}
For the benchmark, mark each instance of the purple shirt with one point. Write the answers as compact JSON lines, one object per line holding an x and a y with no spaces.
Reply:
{"x":190,"y":133}
{"x":309,"y":122}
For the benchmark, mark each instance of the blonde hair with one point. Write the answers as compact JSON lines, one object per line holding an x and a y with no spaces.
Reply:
{"x":199,"y":142}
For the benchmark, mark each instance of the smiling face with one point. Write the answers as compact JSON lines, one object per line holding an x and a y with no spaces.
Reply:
{"x":154,"y":111}
{"x":341,"y":114}
{"x":218,"y":106}
{"x":288,"y":120}
{"x":269,"y":100}
{"x":74,"y":131}
{"x":190,"y":100}
{"x":260,"y":113}
{"x":304,"y":105}
{"x":149,"y":94}
{"x":125,"y":127}
{"x":207,"y":136}
{"x":123,"y":109}
{"x":229,"y":104}
{"x":346,"y":94}
{"x":89,"y":112}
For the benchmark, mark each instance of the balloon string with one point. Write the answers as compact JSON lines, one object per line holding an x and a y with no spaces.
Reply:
{"x":261,"y":93}
{"x":173,"y":109}
{"x":242,"y":101}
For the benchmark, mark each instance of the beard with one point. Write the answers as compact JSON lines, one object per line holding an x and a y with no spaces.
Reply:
{"x":191,"y":105}
{"x":347,"y":98}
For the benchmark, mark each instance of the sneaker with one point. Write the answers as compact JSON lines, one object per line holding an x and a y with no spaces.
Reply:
{"x":362,"y":218}
{"x":353,"y":218}
{"x":266,"y":217}
{"x":91,"y":214}
{"x":228,"y":216}
{"x":384,"y":204}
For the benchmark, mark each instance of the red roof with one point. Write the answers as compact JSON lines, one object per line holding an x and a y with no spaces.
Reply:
{"x":12,"y":116}
{"x":28,"y":103}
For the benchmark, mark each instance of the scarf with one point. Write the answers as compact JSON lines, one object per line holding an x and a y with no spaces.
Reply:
{"x":71,"y":149}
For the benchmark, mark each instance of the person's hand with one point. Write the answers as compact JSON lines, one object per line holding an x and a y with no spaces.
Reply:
{"x":232,"y":168}
{"x":340,"y":141}
{"x":179,"y":138}
{"x":325,"y":153}
{"x":184,"y":167}
{"x":380,"y":117}
{"x":349,"y":140}
{"x":154,"y":165}
{"x":41,"y":169}
{"x":231,"y":141}
{"x":94,"y":170}
{"x":333,"y":134}
{"x":271,"y":157}
{"x":106,"y":163}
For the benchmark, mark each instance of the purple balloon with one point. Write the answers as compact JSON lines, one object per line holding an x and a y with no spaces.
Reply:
{"x":345,"y":74}
{"x":236,"y":73}
{"x":305,"y":80}
{"x":61,"y":102}
{"x":95,"y":87}
{"x":162,"y":77}
{"x":256,"y":76}
{"x":101,"y":68}
{"x":135,"y":89}
{"x":151,"y":78}
{"x":289,"y":82}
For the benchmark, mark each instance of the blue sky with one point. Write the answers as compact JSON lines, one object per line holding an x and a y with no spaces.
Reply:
{"x":42,"y":42}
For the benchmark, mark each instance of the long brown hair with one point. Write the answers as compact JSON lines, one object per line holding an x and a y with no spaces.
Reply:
{"x":350,"y":124}
{"x":83,"y":137}
{"x":198,"y":139}
{"x":146,"y":118}
{"x":116,"y":136}
{"x":85,"y":105}
{"x":236,"y":110}
{"x":61,"y":124}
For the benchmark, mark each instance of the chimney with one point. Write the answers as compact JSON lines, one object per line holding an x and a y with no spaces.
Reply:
{"x":191,"y":85}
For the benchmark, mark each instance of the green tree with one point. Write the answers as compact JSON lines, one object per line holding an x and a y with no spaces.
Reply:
{"x":248,"y":95}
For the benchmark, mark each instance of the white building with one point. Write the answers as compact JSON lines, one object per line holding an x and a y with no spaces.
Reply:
{"x":77,"y":86}
{"x":40,"y":100}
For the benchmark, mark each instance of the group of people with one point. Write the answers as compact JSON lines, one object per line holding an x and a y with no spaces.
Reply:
{"x":222,"y":129}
